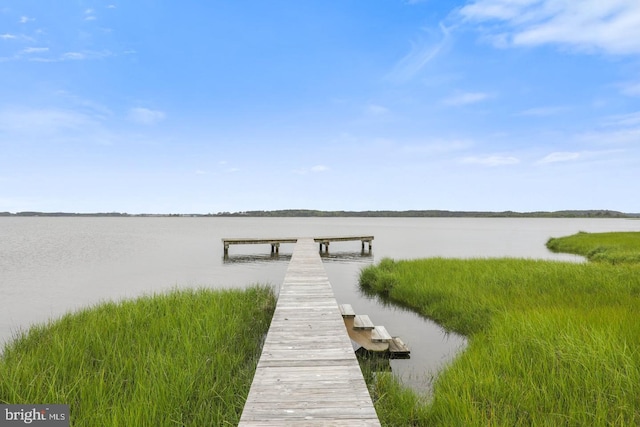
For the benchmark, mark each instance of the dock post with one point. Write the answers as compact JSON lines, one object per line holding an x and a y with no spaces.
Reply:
{"x":226,"y":249}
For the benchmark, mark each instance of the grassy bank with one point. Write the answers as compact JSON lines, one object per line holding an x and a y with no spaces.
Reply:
{"x":549,"y":343}
{"x":182,"y":358}
{"x":613,"y":248}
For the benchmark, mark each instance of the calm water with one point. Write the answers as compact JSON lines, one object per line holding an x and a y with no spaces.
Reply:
{"x":49,"y":266}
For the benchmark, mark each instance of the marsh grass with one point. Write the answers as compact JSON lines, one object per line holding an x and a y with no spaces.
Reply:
{"x":550,"y":343}
{"x":184,"y":358}
{"x":613,"y":248}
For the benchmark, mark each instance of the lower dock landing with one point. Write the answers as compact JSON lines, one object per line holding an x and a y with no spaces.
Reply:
{"x":308,"y":373}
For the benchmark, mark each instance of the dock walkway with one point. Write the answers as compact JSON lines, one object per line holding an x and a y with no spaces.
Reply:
{"x":308,"y":373}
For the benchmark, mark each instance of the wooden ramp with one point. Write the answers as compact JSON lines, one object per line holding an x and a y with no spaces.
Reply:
{"x":308,"y":373}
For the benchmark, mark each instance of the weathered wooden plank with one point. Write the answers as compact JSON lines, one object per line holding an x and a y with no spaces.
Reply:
{"x":362,"y":321}
{"x":380,"y":334}
{"x":308,"y":373}
{"x":347,"y":311}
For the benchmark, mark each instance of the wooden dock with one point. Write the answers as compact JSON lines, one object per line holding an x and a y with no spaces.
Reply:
{"x":276,"y":242}
{"x":308,"y":373}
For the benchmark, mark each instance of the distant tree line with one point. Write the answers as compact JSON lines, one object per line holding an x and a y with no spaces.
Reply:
{"x":434,"y":214}
{"x":601,"y":213}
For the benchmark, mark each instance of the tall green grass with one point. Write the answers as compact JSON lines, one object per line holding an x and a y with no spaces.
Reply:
{"x":614,"y":247}
{"x":549,"y":343}
{"x":185,"y":358}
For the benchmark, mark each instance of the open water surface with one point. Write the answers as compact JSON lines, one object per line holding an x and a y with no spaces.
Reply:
{"x":50,"y":266}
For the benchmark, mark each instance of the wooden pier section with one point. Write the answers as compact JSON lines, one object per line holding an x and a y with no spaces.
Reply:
{"x":308,"y":373}
{"x":276,"y":242}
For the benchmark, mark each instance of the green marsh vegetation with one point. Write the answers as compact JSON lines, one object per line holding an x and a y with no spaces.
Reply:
{"x":550,"y":343}
{"x":614,"y":248}
{"x":184,"y":358}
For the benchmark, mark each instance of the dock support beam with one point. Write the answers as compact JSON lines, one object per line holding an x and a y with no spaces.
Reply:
{"x":275,"y":248}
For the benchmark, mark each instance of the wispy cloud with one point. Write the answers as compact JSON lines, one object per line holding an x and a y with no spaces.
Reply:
{"x":623,"y":120}
{"x":465,"y":98}
{"x":25,"y":19}
{"x":620,"y":129}
{"x":421,"y":53}
{"x":31,"y":50}
{"x":376,"y":110}
{"x":146,"y":116}
{"x":630,"y":88}
{"x":313,"y":169}
{"x":438,"y":147}
{"x":8,"y":36}
{"x":90,"y":15}
{"x":587,"y":156}
{"x":613,"y":137}
{"x":544,"y":111}
{"x":491,"y":161}
{"x":560,"y":156}
{"x":19,"y":121}
{"x":611,"y":26}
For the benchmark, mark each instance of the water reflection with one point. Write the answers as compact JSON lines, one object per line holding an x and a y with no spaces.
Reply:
{"x":365,"y":257}
{"x":255,"y":258}
{"x":432,"y":347}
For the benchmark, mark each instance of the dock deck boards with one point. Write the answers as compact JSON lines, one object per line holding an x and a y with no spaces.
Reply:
{"x":308,"y":373}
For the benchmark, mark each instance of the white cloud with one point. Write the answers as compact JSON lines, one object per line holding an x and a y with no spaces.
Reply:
{"x":319,"y":168}
{"x":620,"y":129}
{"x":31,"y":50}
{"x":437,"y":147}
{"x":491,"y":160}
{"x":146,"y":116}
{"x":313,"y":169}
{"x":620,"y":120}
{"x":42,"y":121}
{"x":74,"y":56}
{"x":465,"y":98}
{"x":421,"y":53}
{"x":630,"y":88}
{"x":614,"y":137}
{"x":560,"y":157}
{"x":25,"y":19}
{"x":611,"y":26}
{"x":543,"y":111}
{"x":376,"y":110}
{"x":8,"y":36}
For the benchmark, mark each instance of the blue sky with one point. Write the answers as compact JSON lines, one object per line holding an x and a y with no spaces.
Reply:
{"x":207,"y":106}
